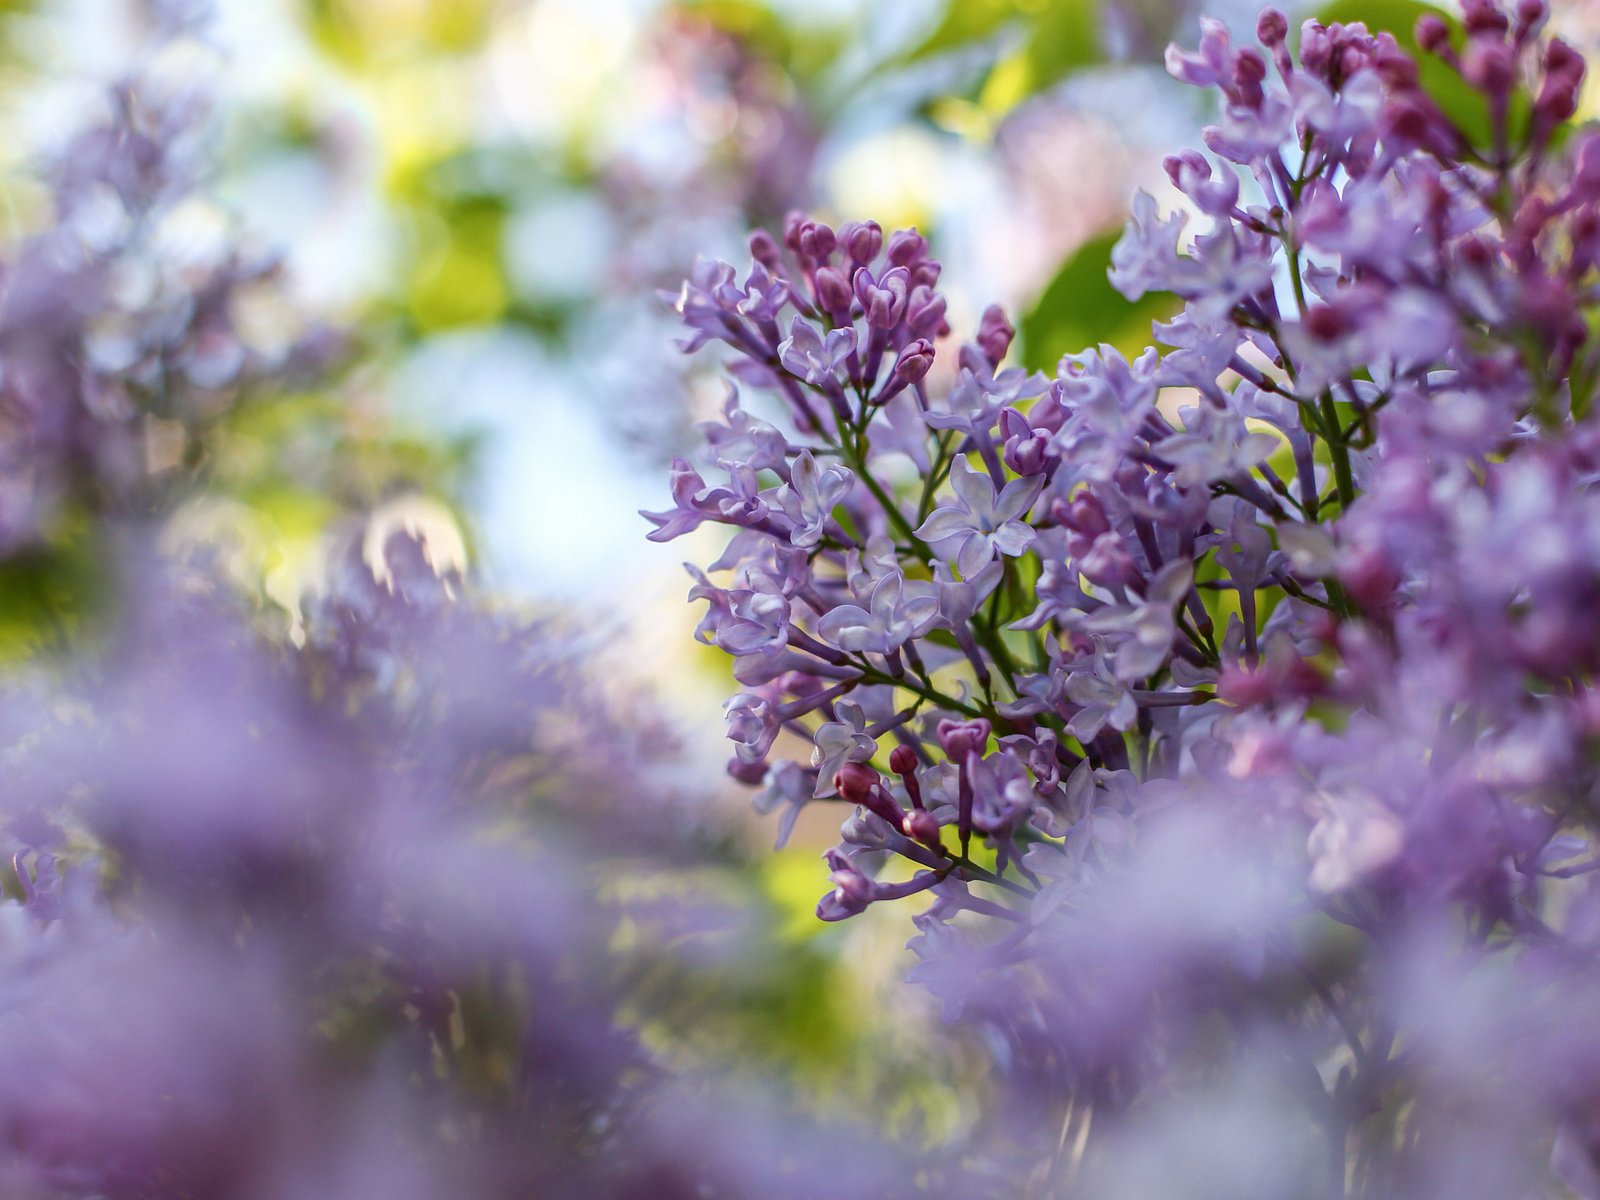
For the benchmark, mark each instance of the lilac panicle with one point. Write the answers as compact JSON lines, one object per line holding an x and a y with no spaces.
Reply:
{"x":1253,"y":728}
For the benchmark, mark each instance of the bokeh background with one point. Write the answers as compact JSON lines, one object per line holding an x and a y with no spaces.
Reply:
{"x":492,"y":202}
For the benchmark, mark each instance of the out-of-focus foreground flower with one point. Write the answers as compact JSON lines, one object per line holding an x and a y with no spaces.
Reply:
{"x":316,"y":894}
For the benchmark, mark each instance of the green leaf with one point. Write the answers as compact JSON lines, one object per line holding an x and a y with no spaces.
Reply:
{"x":1080,"y":309}
{"x":965,"y":22}
{"x":1057,"y":37}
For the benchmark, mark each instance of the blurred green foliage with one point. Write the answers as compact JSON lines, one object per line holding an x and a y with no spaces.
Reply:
{"x":1044,"y":41}
{"x":1079,"y":309}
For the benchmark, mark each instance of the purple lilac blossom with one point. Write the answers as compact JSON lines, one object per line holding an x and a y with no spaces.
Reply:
{"x":1250,"y":797}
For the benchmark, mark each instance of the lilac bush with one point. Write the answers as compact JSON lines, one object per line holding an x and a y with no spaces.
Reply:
{"x":1230,"y":708}
{"x":317,"y":897}
{"x":139,"y":316}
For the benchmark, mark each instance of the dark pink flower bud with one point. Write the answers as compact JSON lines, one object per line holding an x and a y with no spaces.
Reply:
{"x":1563,"y":84}
{"x":1433,"y":34}
{"x":1483,"y":16}
{"x":1326,"y":323}
{"x":1369,"y":578}
{"x":1272,"y":27}
{"x":914,"y":362}
{"x":857,"y":783}
{"x":903,"y":762}
{"x":922,"y":826}
{"x":854,"y":781}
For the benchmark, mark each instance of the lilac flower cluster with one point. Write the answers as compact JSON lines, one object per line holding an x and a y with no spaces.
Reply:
{"x":1233,"y":705}
{"x":137,"y":317}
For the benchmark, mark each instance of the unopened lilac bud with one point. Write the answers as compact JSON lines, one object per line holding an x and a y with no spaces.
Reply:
{"x":1561,"y":59}
{"x":1563,"y":84}
{"x":920,"y":825}
{"x":832,"y":291}
{"x":854,"y":891}
{"x":792,"y":223}
{"x":1029,"y":455}
{"x":1412,"y":119}
{"x":907,"y":247}
{"x":1397,"y":68}
{"x":925,"y":313}
{"x":995,"y":333}
{"x":914,"y":362}
{"x":1586,"y":238}
{"x":1586,"y":174}
{"x":1027,"y":450}
{"x":1531,"y":16}
{"x":903,"y":762}
{"x":1483,"y":17}
{"x":1249,"y":70}
{"x":855,"y":781}
{"x":862,"y":241}
{"x":817,"y":241}
{"x":1084,"y":514}
{"x":1108,"y":562}
{"x":961,"y":738}
{"x":1432,"y":34}
{"x":1316,"y":48}
{"x":1489,"y":65}
{"x":1369,"y":578}
{"x":1272,"y":27}
{"x":764,"y":249}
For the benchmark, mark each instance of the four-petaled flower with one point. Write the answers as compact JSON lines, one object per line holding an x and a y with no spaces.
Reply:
{"x":985,"y":522}
{"x":896,"y":612}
